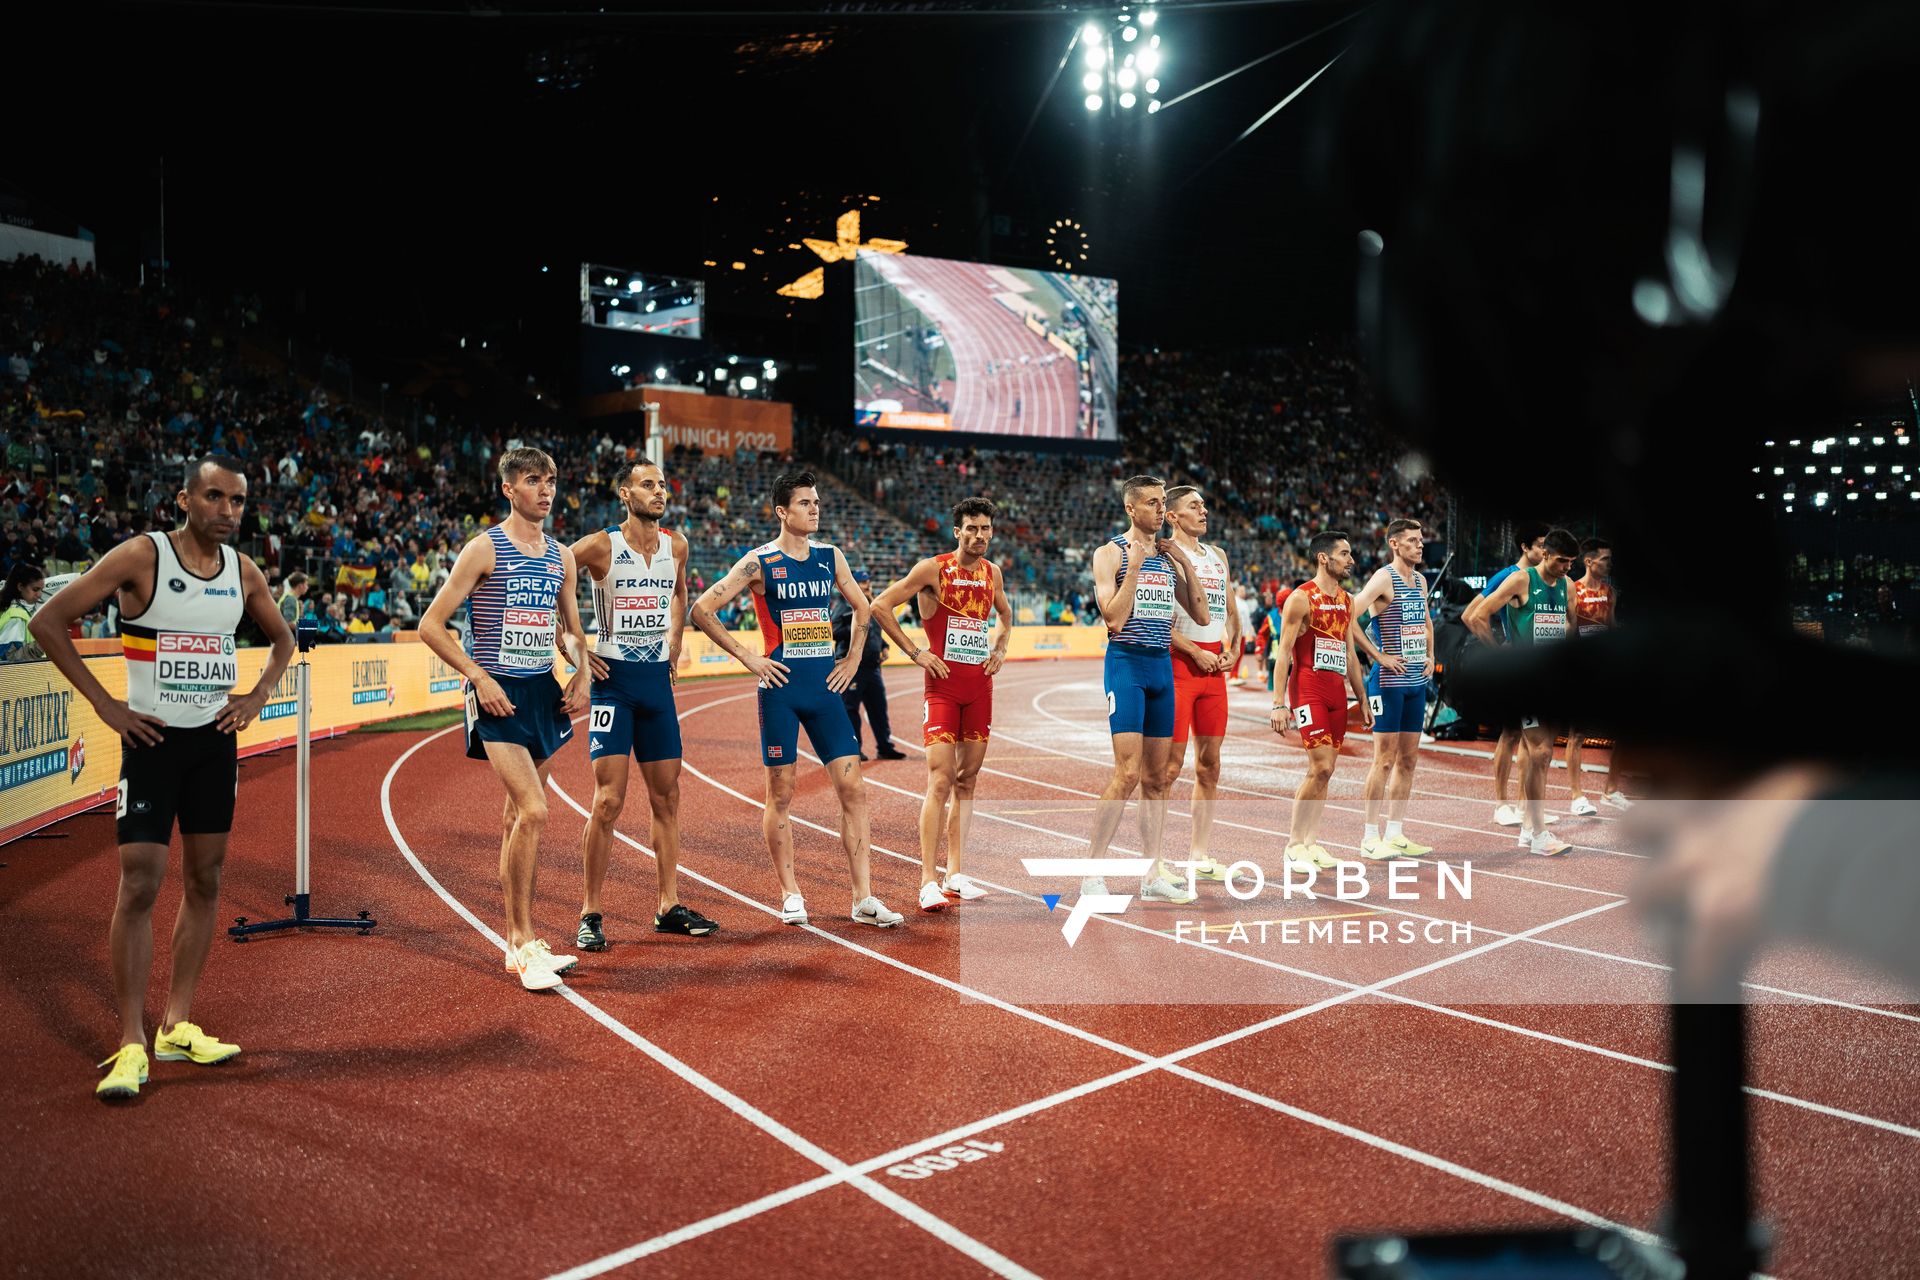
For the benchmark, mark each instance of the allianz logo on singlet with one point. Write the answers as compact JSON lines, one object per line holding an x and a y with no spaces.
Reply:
{"x":219,"y":591}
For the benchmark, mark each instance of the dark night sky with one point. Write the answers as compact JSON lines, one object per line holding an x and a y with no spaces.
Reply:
{"x":409,"y":168}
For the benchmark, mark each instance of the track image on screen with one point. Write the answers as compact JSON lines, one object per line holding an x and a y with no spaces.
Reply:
{"x":966,"y":346}
{"x":616,"y":298}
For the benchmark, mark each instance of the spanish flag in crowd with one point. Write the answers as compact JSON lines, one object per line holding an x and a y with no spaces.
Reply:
{"x":355,"y":579}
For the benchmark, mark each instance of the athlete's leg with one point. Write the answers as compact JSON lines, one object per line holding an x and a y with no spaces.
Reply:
{"x":522,"y":821}
{"x":609,"y":798}
{"x":943,"y":766}
{"x":1176,"y":762}
{"x":777,"y":825}
{"x":202,"y":856}
{"x":130,"y":936}
{"x":1154,"y":786}
{"x":972,"y":755}
{"x":663,"y":797}
{"x":855,"y":838}
{"x":1311,"y":798}
{"x":1575,"y":789}
{"x":1379,"y":770}
{"x":1113,"y":800}
{"x":1405,"y":751}
{"x":1536,"y":759}
{"x":1503,"y":751}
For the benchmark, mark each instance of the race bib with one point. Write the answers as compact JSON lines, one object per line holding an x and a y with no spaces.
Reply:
{"x":192,"y":669}
{"x":1216,"y":589}
{"x":806,"y":633}
{"x":1330,"y":655}
{"x":1153,"y":596}
{"x":1591,"y":629}
{"x":1413,"y":644}
{"x":966,"y":640}
{"x":640,"y":615}
{"x":526,"y":639}
{"x":1550,"y":624}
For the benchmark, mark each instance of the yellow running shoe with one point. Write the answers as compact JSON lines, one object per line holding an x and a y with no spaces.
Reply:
{"x":129,"y":1063}
{"x":1207,"y":869}
{"x":1321,"y":858}
{"x":1377,"y":850}
{"x":1406,"y":848}
{"x":188,"y":1043}
{"x":1299,"y":856}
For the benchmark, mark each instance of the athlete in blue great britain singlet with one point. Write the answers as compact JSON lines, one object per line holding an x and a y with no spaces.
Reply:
{"x":1402,"y":633}
{"x":513,"y":637}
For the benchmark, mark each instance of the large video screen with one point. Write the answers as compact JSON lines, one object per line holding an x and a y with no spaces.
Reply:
{"x":615,"y":298}
{"x":965,"y":346}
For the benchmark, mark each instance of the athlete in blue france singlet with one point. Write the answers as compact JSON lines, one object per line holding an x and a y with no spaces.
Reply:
{"x":515,"y":621}
{"x":795,"y":626}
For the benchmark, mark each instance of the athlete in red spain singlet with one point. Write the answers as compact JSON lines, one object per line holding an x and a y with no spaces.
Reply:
{"x":959,"y":592}
{"x":1316,"y":665}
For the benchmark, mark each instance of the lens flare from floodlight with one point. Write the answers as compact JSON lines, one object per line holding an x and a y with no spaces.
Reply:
{"x":1153,"y":86}
{"x":1093,"y":102}
{"x":766,"y":364}
{"x":635,"y":285}
{"x":720,"y":374}
{"x":1091,"y":81}
{"x":660,"y":373}
{"x":650,"y":306}
{"x":1090,"y":34}
{"x":749,"y":382}
{"x":1127,"y":100}
{"x":1149,"y":60}
{"x":1153,"y":106}
{"x":1154,"y":43}
{"x":1148,"y":18}
{"x":772,"y":374}
{"x":1128,"y":77}
{"x":1095,"y":59}
{"x":1129,"y":33}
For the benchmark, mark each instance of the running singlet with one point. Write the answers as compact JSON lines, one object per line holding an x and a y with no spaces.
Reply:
{"x":1320,"y":653}
{"x":516,"y":608}
{"x":1402,"y":627}
{"x":1542,"y":619}
{"x":181,"y":663}
{"x":1150,"y":625}
{"x":1500,"y":626}
{"x":1210,"y":571}
{"x":633,"y":604}
{"x":794,"y":622}
{"x":1593,"y":606}
{"x":959,"y":627}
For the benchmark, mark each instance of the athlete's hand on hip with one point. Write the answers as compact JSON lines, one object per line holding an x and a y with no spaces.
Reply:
{"x":493,"y":699}
{"x":934,"y":663}
{"x":1393,"y":663}
{"x":597,"y":666}
{"x":995,"y":660}
{"x":241,"y":712}
{"x":135,"y":728}
{"x":575,"y":701}
{"x":841,"y":678}
{"x":771,"y":674}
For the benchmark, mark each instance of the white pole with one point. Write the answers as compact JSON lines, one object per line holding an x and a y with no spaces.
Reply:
{"x":303,"y":753}
{"x":656,"y":438}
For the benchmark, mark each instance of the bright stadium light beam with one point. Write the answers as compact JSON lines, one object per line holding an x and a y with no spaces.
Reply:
{"x":1091,"y":81}
{"x":1153,"y":86}
{"x":1128,"y":77}
{"x":1281,"y":105}
{"x":1148,"y":18}
{"x":1248,"y":66}
{"x":1149,"y":61}
{"x":1090,"y":34}
{"x":1127,"y":100}
{"x":1093,"y":102}
{"x":1153,"y":107}
{"x":1095,"y":56}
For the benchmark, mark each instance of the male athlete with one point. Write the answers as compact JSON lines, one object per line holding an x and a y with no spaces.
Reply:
{"x":1593,"y":597}
{"x":180,"y":596}
{"x":792,"y":580}
{"x":958,"y":589}
{"x":1537,"y":613}
{"x":520,"y":584}
{"x":1402,"y":629}
{"x":639,"y":576}
{"x":1532,"y":539}
{"x":1200,"y":660}
{"x":1316,"y":663}
{"x":1139,"y":580}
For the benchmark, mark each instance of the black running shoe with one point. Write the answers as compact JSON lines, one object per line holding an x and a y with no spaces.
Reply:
{"x":679,"y":918}
{"x":590,"y":938}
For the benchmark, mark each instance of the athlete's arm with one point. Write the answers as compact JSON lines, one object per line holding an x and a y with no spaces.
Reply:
{"x":841,"y":678}
{"x":573,"y":639}
{"x":1480,"y":609}
{"x":118,"y":569}
{"x":1224,"y":659}
{"x":1003,"y":637}
{"x":1115,"y":600}
{"x":1357,"y":681}
{"x":1293,"y":616}
{"x":265,"y":612}
{"x":474,"y":562}
{"x":1186,"y":589}
{"x":924,"y":575}
{"x":742,"y":577}
{"x":677,"y":620}
{"x":593,"y":554}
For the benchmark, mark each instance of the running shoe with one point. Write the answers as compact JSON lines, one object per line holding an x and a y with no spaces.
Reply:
{"x":1618,"y":799}
{"x":557,"y":963}
{"x":960,"y":885}
{"x":1321,"y":858}
{"x":1377,"y":849}
{"x":931,"y":898}
{"x":1208,"y":869}
{"x":793,"y":909}
{"x":188,"y":1043}
{"x":590,"y":937}
{"x":1582,"y":807}
{"x":1526,"y":838}
{"x":129,"y":1063}
{"x":1406,"y":848}
{"x":1547,"y":846}
{"x":1299,"y":856}
{"x":1093,"y":886}
{"x":870,"y":910}
{"x":1509,"y":815}
{"x":680,"y":918}
{"x":1164,"y":891}
{"x":530,"y":962}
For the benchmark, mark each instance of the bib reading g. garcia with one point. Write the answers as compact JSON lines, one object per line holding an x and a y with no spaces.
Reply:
{"x":193,"y":669}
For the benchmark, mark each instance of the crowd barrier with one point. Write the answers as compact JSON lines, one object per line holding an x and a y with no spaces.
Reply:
{"x":57,"y":759}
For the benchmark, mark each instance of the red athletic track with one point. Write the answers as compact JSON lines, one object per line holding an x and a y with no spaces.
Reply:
{"x":402,"y":1108}
{"x":958,"y":298}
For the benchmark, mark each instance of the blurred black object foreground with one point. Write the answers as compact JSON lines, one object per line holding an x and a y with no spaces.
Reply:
{"x":1607,"y":250}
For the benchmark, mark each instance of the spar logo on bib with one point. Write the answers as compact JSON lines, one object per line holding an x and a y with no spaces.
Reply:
{"x":370,"y":682}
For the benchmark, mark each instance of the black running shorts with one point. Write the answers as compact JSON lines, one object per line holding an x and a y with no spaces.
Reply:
{"x":193,"y":776}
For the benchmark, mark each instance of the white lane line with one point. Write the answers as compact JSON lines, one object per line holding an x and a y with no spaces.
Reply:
{"x":939,"y":1228}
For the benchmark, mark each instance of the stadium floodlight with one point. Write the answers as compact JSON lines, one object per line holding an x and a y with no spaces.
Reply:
{"x":1090,"y":34}
{"x":1093,"y":102}
{"x":650,"y":306}
{"x":1127,"y":100}
{"x":772,"y":373}
{"x":733,"y":359}
{"x":611,"y":281}
{"x":660,"y":373}
{"x":1128,"y":77}
{"x":1879,"y":439}
{"x":635,"y":285}
{"x":749,"y":382}
{"x":1153,"y":106}
{"x":1096,"y":58}
{"x":720,"y":374}
{"x":1128,"y":61}
{"x":1853,"y":439}
{"x":766,"y":364}
{"x":1091,"y":81}
{"x":1154,"y":43}
{"x":1129,"y":34}
{"x":613,"y":302}
{"x":1149,"y":61}
{"x":1148,"y":18}
{"x":1153,"y":86}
